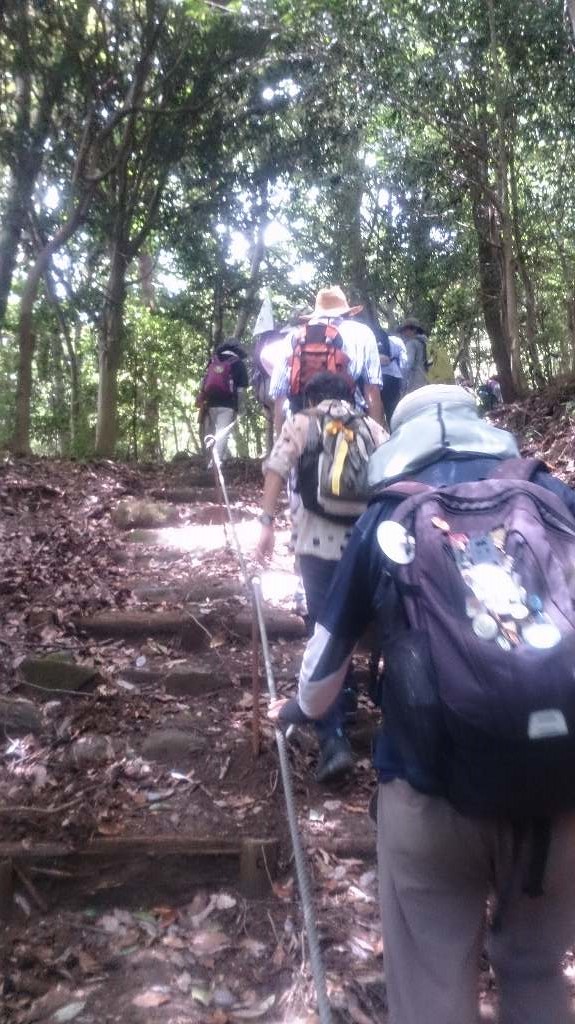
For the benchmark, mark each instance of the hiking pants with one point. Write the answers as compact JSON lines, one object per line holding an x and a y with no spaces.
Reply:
{"x":390,"y":394}
{"x":218,"y":417}
{"x":436,"y":871}
{"x":317,"y":574}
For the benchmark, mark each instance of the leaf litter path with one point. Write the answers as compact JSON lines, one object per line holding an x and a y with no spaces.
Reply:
{"x":153,"y":740}
{"x":168,"y":946}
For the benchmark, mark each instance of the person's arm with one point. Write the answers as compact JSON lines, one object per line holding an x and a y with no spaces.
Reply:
{"x":371,"y":374}
{"x":349,"y":608}
{"x":374,"y":403}
{"x":273,"y":487}
{"x":283,"y":457}
{"x":279,"y":403}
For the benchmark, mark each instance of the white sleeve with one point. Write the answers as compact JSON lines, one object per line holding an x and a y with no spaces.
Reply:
{"x":399,"y":351}
{"x":323,"y":670}
{"x":372,"y":363}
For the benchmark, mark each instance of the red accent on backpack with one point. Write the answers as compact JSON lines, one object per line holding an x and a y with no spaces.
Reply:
{"x":316,"y":348}
{"x":218,"y":381}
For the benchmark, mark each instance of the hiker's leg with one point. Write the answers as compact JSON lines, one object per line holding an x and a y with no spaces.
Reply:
{"x":335,"y":753}
{"x":222,"y":419}
{"x":317,"y":574}
{"x":390,"y":393}
{"x":535,"y":933}
{"x":208,"y":430}
{"x":433,"y":881}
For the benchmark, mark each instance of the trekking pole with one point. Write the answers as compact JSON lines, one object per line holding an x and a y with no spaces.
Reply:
{"x":211,"y":443}
{"x":302,"y":873}
{"x":255,"y":686}
{"x":253,"y":585}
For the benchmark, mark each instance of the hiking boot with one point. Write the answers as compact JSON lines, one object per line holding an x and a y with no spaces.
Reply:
{"x":336,"y":759}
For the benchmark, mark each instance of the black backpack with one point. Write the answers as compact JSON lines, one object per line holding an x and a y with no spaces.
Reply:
{"x":383,"y":342}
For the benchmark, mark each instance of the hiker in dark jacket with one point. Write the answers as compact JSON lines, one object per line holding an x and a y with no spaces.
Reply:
{"x":438,"y":866}
{"x":222,"y":394}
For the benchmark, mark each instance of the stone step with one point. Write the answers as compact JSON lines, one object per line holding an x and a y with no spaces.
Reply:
{"x":190,"y":495}
{"x":143,"y":558}
{"x":184,"y":681}
{"x":131,"y":626}
{"x":191,"y":592}
{"x":199,"y":536}
{"x":280,"y":625}
{"x":57,"y":673}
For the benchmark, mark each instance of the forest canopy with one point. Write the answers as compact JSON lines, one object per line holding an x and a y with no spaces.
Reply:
{"x":163,"y":163}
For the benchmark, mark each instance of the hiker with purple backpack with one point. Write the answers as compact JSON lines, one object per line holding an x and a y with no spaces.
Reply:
{"x":222,"y":393}
{"x":465,"y":560}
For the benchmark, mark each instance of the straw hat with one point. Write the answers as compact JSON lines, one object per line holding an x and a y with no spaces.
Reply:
{"x":332,"y":302}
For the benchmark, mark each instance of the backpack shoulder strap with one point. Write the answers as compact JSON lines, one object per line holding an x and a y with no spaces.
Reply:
{"x":333,"y":336}
{"x":518,"y":469}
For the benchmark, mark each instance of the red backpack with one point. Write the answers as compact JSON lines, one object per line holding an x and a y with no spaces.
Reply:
{"x":316,"y":348}
{"x":218,"y":382}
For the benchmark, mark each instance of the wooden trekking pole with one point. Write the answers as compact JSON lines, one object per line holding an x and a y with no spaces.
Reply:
{"x":255,"y":684}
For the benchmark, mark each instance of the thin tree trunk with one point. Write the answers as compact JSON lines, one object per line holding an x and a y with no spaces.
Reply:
{"x":464,"y":354}
{"x":26,"y":336}
{"x":73,"y":365}
{"x":31,"y":129}
{"x":568,"y":271}
{"x":59,"y":396}
{"x":349,"y":249}
{"x":529,"y":291}
{"x":509,"y":292}
{"x":151,"y":445}
{"x":491,"y":287}
{"x":109,"y":352}
{"x":570,"y":9}
{"x":259,"y":249}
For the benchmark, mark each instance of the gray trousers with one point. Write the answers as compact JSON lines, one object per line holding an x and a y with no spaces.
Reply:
{"x":436,"y":872}
{"x":217,"y":418}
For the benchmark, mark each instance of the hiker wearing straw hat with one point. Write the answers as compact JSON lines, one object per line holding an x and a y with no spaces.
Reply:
{"x":329,"y":340}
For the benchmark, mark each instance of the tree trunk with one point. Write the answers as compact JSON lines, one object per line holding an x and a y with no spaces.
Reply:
{"x":509,"y":291}
{"x":570,"y":9}
{"x":18,"y":201}
{"x":31,"y":129}
{"x":570,"y":310}
{"x":349,"y":262}
{"x":26,"y":337}
{"x":151,"y":446}
{"x":247,"y":307}
{"x":529,"y":291}
{"x":59,"y":403}
{"x":110,"y":351}
{"x":491,"y":287}
{"x":464,"y":354}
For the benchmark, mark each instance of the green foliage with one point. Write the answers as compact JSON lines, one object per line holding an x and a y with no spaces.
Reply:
{"x":370,"y":132}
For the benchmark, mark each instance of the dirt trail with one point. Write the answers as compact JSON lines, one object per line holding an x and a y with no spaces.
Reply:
{"x":155,"y":744}
{"x":126,"y":640}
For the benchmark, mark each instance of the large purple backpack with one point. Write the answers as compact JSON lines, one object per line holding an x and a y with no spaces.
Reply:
{"x":218,"y":382}
{"x":482,"y":680}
